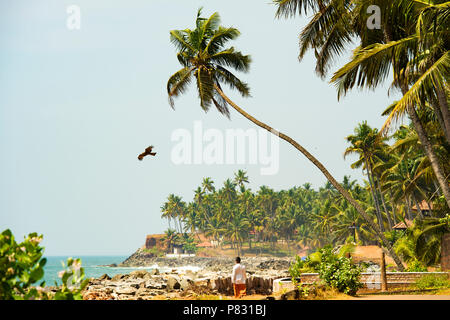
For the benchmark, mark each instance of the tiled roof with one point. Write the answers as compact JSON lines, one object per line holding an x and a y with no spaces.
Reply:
{"x":401,"y":225}
{"x":423,"y":206}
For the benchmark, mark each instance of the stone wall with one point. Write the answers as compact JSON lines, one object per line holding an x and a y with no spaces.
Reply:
{"x":154,"y":241}
{"x":254,"y":284}
{"x":445,"y":252}
{"x":371,"y":280}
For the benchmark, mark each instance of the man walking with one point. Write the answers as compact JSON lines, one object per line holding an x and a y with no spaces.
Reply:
{"x":238,"y":278}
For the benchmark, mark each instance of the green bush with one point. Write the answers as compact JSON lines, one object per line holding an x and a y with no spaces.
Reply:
{"x":339,"y":272}
{"x":22,"y":266}
{"x":433,"y":281}
{"x":416,"y":266}
{"x":155,"y":251}
{"x":299,"y":266}
{"x":335,"y":270}
{"x":73,"y":281}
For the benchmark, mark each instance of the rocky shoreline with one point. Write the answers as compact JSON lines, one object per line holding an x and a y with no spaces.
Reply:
{"x":210,"y":275}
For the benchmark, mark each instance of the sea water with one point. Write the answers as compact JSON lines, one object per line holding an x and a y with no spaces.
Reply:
{"x":95,"y":266}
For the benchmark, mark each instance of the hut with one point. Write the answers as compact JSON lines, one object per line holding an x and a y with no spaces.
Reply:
{"x":403,"y":225}
{"x":424,"y":207}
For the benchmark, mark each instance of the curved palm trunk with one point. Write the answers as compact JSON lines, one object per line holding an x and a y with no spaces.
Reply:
{"x":437,"y":169}
{"x":325,"y":172}
{"x":442,"y":98}
{"x":440,"y":118}
{"x":426,"y":145}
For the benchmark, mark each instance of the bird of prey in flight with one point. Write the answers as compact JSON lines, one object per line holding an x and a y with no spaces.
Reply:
{"x":147,"y":152}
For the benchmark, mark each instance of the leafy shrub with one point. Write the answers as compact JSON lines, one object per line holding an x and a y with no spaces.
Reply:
{"x":22,"y":265}
{"x":433,"y":281}
{"x":336,"y":270}
{"x":339,"y":272}
{"x":416,"y":266}
{"x":300,"y":266}
{"x":157,"y":252}
{"x":73,"y":281}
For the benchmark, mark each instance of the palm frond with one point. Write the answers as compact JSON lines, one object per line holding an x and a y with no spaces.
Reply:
{"x":290,"y":8}
{"x":180,"y":40}
{"x":434,"y":77}
{"x":370,"y":66}
{"x":232,"y":81}
{"x":220,"y":103}
{"x":177,"y":83}
{"x":220,"y":37}
{"x":232,"y":58}
{"x":205,"y":86}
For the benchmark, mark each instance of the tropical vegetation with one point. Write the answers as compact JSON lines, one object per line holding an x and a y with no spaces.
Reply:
{"x":204,"y":57}
{"x":22,"y":269}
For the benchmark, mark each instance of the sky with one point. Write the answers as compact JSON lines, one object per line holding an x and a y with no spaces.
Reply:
{"x":78,"y":106}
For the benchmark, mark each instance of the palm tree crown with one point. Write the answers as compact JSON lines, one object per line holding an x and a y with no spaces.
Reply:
{"x":203,"y":56}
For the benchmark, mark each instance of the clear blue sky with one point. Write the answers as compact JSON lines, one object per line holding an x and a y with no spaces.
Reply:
{"x":77,"y":107}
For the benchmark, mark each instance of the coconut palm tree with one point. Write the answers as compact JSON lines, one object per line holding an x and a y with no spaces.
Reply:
{"x":208,"y":185}
{"x":412,"y":40}
{"x":240,"y":178}
{"x":365,"y":142}
{"x":171,"y":238}
{"x":420,"y":59}
{"x":427,"y":238}
{"x":203,"y":57}
{"x":175,"y":209}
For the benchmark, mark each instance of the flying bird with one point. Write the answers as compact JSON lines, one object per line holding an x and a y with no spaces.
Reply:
{"x":147,"y":152}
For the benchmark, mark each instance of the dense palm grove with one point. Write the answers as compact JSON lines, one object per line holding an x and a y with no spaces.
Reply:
{"x":406,"y":170}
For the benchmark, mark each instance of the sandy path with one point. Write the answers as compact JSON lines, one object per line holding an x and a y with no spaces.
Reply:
{"x":403,"y":297}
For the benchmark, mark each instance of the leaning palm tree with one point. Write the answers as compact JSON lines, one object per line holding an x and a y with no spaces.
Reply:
{"x":203,"y":57}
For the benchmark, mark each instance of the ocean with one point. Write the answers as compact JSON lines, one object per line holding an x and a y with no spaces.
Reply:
{"x":92,"y":267}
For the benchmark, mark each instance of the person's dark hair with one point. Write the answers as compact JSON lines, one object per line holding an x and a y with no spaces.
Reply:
{"x":238,"y":260}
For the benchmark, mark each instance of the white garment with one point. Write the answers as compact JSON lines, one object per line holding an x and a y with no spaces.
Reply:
{"x":238,"y":276}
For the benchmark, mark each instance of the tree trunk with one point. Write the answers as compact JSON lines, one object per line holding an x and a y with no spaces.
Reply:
{"x":384,"y":206}
{"x":408,"y":209}
{"x":325,"y":172}
{"x":440,"y":118}
{"x":429,"y":206}
{"x":374,"y":195}
{"x":442,"y":98}
{"x":426,"y":145}
{"x":391,"y":198}
{"x":438,"y":190}
{"x":437,"y":169}
{"x":419,"y":211}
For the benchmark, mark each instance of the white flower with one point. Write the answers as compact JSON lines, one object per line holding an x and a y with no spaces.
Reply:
{"x":76,"y":265}
{"x":61,"y":273}
{"x":36,"y":240}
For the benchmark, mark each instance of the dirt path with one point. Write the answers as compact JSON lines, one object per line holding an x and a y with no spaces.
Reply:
{"x":403,"y":297}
